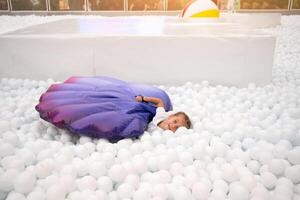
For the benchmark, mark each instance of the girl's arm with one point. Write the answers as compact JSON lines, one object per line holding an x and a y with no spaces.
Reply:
{"x":156,"y":101}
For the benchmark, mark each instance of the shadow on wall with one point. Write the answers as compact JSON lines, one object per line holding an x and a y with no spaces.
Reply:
{"x":106,"y":5}
{"x":3,"y":5}
{"x":265,"y":4}
{"x":296,"y":4}
{"x":28,"y":4}
{"x":76,"y":5}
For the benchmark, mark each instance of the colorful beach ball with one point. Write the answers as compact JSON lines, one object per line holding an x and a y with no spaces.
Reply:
{"x":200,"y":8}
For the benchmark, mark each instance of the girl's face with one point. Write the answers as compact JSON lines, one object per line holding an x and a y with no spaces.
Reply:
{"x":172,"y":123}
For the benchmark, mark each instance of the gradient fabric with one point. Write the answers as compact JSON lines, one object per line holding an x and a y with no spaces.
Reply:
{"x":100,"y":107}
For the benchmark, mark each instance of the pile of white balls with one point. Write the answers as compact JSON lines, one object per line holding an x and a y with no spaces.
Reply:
{"x":244,"y":144}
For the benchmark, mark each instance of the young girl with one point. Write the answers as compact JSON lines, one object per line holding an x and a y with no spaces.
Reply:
{"x":165,"y":120}
{"x":105,"y":107}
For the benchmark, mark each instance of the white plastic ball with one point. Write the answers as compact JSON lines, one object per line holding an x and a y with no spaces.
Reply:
{"x":229,"y":173}
{"x":87,"y":183}
{"x":139,"y":164}
{"x":248,"y":143}
{"x":133,"y":180}
{"x":36,"y":195}
{"x":294,"y":156}
{"x":128,"y":167}
{"x":68,"y":170}
{"x":178,"y":180}
{"x":4,"y":125}
{"x":164,"y":175}
{"x":13,"y":162}
{"x":28,"y":156}
{"x":248,"y":182}
{"x":176,"y":168}
{"x":125,"y":190}
{"x":25,"y":182}
{"x":44,"y":154}
{"x":152,"y":163}
{"x":97,"y":169}
{"x":260,"y":192}
{"x":238,"y":191}
{"x":105,"y":183}
{"x":186,"y":158}
{"x":51,"y":180}
{"x":7,"y":180}
{"x":284,"y":191}
{"x":55,"y":192}
{"x":15,"y":196}
{"x":265,"y":157}
{"x":108,"y":158}
{"x":81,"y":167}
{"x":268,"y":179}
{"x":117,"y":173}
{"x":100,"y":194}
{"x":84,"y":139}
{"x":82,"y":151}
{"x":221,"y":185}
{"x":125,"y":143}
{"x":6,"y":149}
{"x":293,"y":173}
{"x":217,"y":195}
{"x":297,"y":188}
{"x":141,"y":194}
{"x":160,"y":190}
{"x":163,"y":162}
{"x":44,"y":168}
{"x":200,"y":190}
{"x":11,"y":138}
{"x":123,"y":155}
{"x":284,"y":181}
{"x":136,"y":148}
{"x":68,"y":182}
{"x":276,"y":166}
{"x":182,"y":193}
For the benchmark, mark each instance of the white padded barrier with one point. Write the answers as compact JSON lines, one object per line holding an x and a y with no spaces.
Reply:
{"x":160,"y":50}
{"x":257,"y":20}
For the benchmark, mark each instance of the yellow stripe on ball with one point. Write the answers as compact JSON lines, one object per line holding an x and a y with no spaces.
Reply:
{"x":200,"y":8}
{"x":207,"y":13}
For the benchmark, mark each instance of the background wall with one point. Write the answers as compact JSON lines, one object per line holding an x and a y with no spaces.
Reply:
{"x":148,"y":6}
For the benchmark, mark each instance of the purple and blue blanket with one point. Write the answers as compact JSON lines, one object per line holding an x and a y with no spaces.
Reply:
{"x":100,"y":107}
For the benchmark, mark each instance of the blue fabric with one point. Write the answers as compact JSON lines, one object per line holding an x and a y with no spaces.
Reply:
{"x":100,"y":107}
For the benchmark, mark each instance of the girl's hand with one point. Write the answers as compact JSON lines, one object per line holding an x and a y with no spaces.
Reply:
{"x":153,"y":100}
{"x":138,"y":98}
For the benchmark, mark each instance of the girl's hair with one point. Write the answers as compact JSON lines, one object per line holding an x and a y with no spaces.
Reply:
{"x":186,"y":118}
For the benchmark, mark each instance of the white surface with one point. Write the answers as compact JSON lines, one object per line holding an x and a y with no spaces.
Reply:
{"x":161,"y":51}
{"x":257,"y":20}
{"x":246,"y":123}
